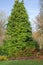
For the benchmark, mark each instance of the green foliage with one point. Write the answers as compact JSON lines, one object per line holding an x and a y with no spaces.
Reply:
{"x":19,"y":35}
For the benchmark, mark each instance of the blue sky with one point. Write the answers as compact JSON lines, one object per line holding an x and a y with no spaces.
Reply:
{"x":32,"y":7}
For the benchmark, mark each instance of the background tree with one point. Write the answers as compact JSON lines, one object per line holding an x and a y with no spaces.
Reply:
{"x":39,"y":21}
{"x":2,"y":25}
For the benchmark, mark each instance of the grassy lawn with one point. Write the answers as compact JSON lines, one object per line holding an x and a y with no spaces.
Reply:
{"x":22,"y":62}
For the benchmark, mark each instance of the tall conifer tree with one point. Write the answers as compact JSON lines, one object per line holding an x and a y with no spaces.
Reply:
{"x":18,"y":28}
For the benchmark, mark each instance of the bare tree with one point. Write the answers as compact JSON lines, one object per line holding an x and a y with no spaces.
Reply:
{"x":2,"y":25}
{"x":39,"y":21}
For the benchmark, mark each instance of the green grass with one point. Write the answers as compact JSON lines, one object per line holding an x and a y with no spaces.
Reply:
{"x":22,"y":62}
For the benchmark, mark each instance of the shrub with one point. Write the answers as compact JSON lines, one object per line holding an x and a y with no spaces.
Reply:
{"x":3,"y":58}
